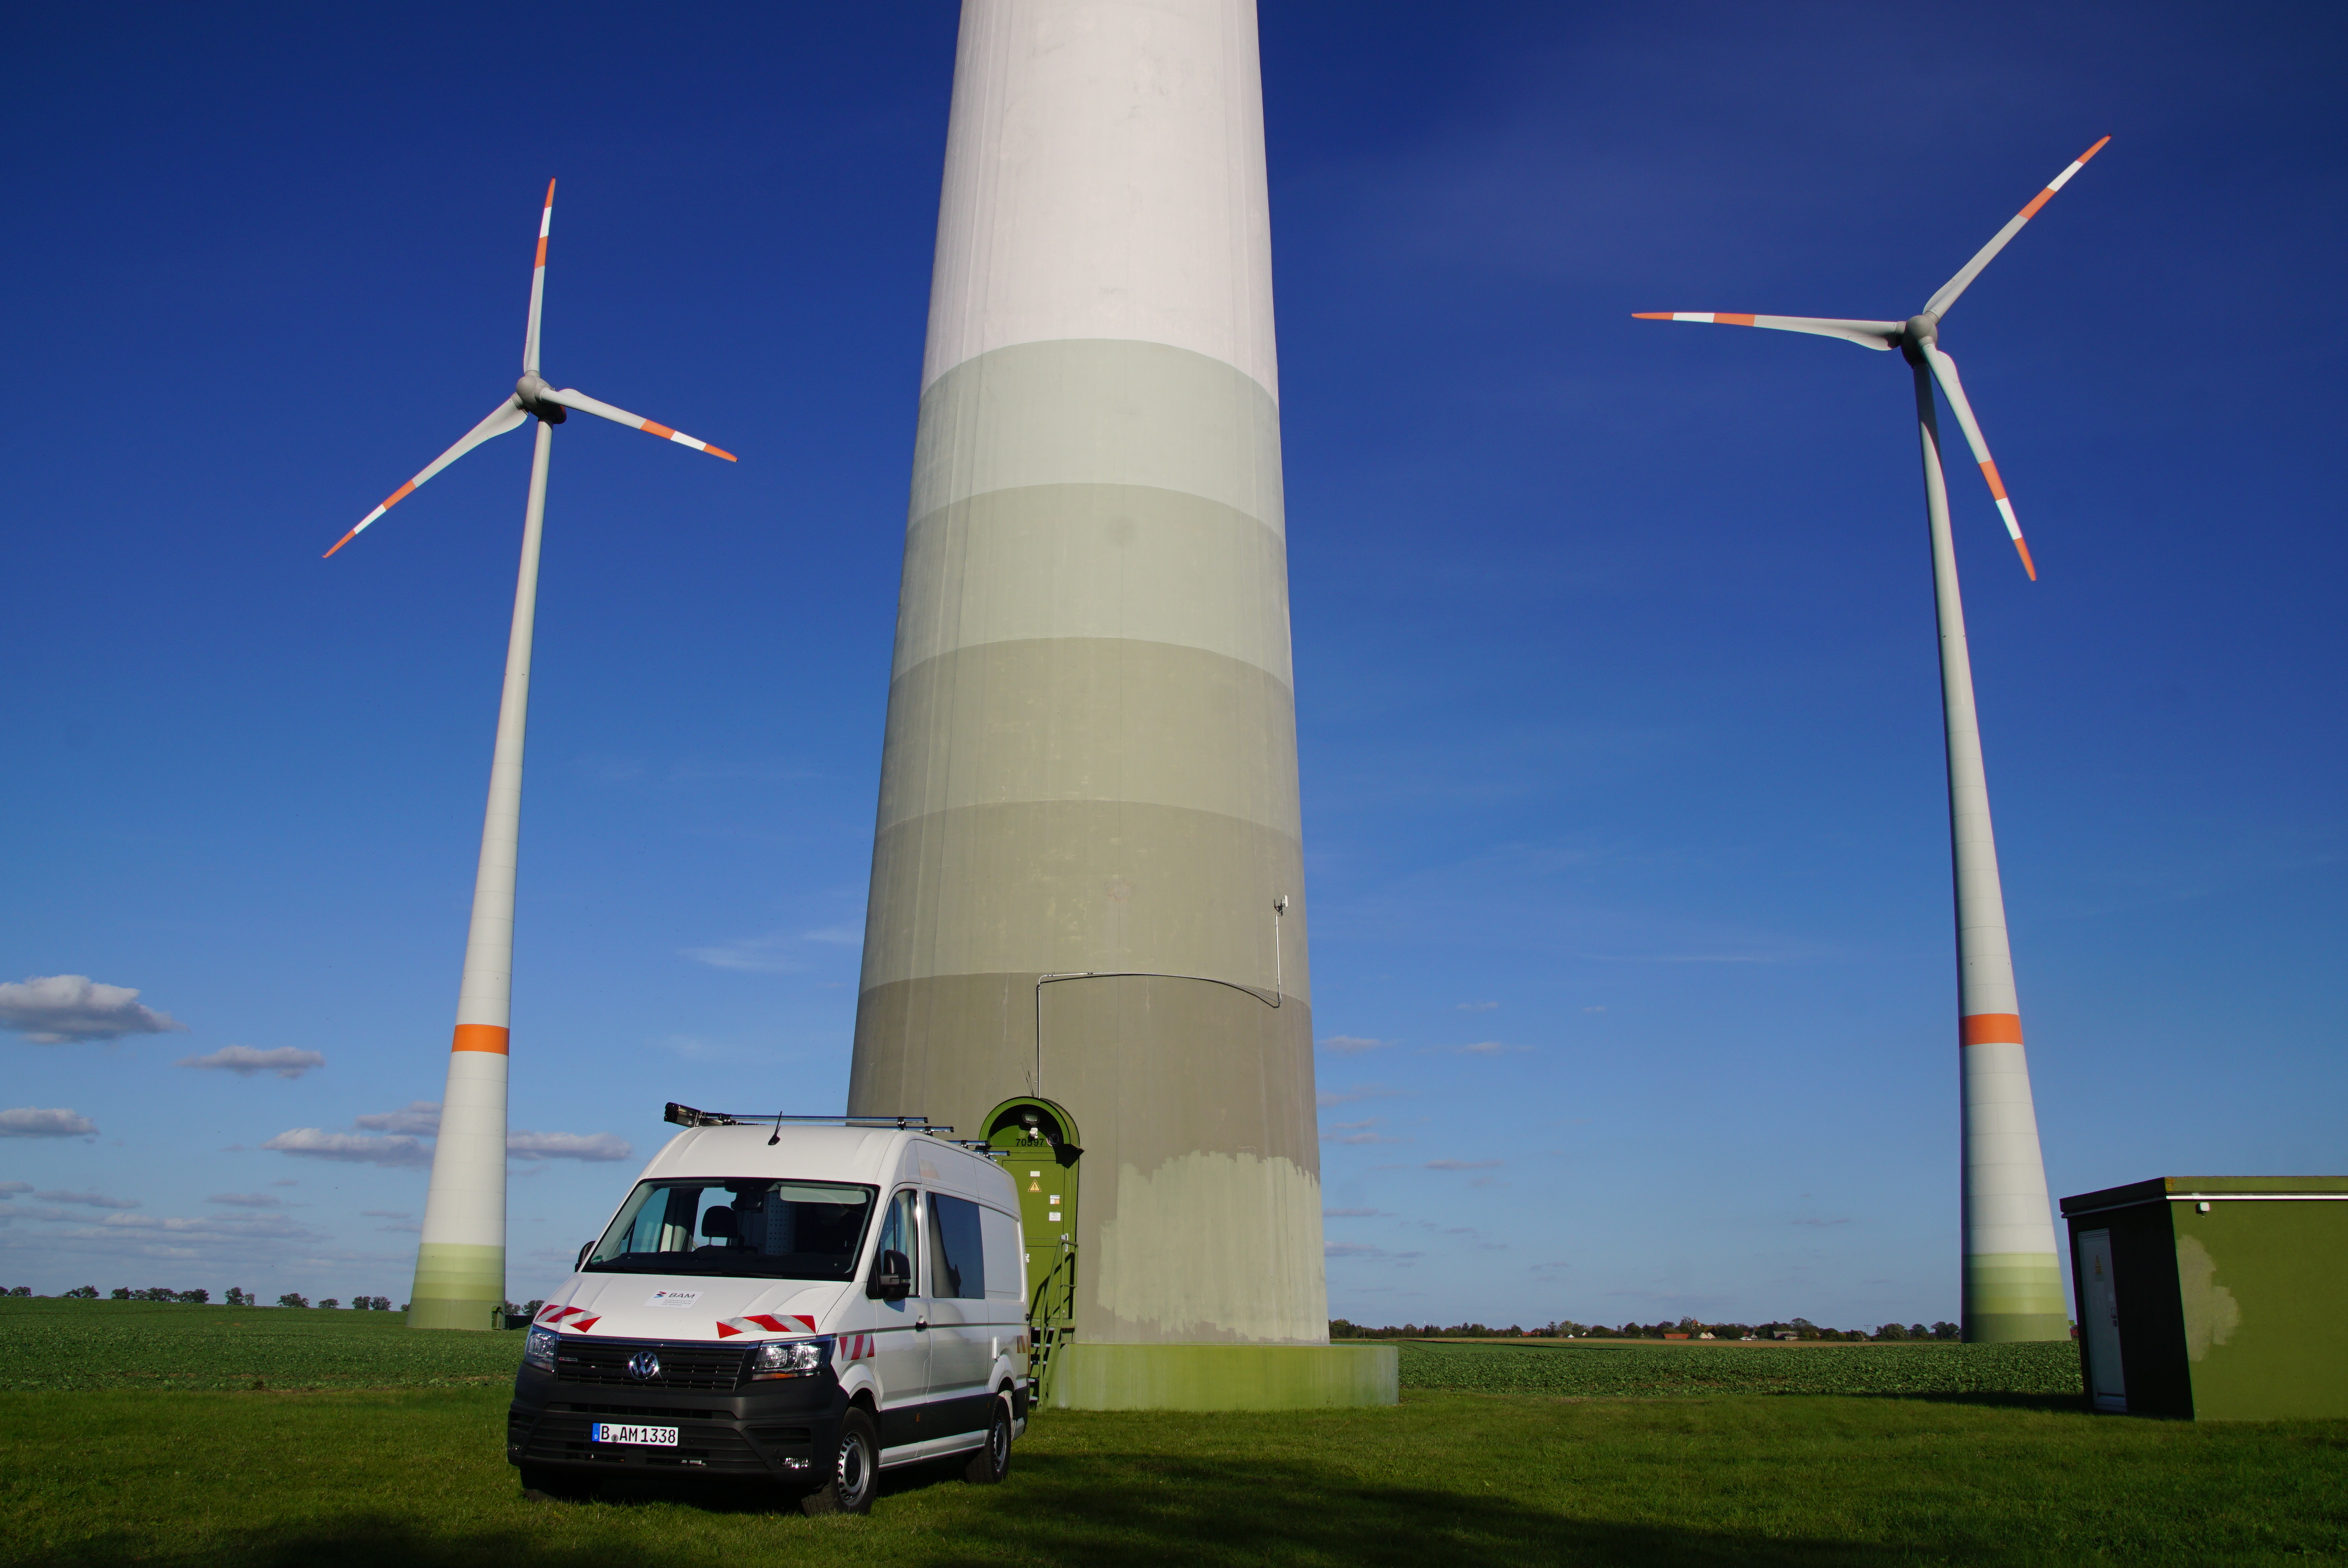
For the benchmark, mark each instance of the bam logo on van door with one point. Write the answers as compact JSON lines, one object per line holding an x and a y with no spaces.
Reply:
{"x":789,"y":1323}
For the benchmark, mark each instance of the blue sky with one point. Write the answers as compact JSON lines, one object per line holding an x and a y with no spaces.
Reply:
{"x":1624,"y":813}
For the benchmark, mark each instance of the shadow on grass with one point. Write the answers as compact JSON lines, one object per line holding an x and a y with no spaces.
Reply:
{"x":1057,"y":1511}
{"x":2054,"y":1404}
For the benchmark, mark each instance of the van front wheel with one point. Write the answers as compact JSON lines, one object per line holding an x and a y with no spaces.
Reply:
{"x":991,"y":1463}
{"x":855,"y":1469}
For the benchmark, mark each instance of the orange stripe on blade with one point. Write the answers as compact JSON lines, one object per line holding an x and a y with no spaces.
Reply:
{"x":652,"y":428}
{"x":1723,"y":318}
{"x":341,"y":542}
{"x":1989,"y":1028}
{"x":1996,"y":485}
{"x":399,"y":495}
{"x":2028,"y":564}
{"x":1651,"y":315}
{"x":2041,"y":200}
{"x":719,"y":452}
{"x":2092,"y":151}
{"x":541,"y":253}
{"x":486,"y":1037}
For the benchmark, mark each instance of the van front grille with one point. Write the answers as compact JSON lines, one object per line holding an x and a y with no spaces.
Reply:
{"x":681,"y":1366}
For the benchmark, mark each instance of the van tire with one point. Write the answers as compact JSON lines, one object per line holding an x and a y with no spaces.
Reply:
{"x":992,"y":1461}
{"x":855,"y":1469}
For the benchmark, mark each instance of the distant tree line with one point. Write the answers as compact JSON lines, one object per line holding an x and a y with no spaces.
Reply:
{"x":1687,"y":1327}
{"x":236,"y":1296}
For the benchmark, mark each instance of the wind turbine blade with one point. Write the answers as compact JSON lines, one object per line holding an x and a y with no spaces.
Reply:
{"x":538,"y":285}
{"x":1867,"y":335}
{"x":1939,"y":303}
{"x":508,"y":416}
{"x":571,"y":397}
{"x":1945,"y":370}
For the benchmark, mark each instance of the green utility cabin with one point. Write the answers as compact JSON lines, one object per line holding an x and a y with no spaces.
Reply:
{"x":2213,"y":1299}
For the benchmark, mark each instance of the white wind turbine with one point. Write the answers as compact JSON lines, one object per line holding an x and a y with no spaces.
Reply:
{"x":2013,"y":1284}
{"x":460,"y":1267}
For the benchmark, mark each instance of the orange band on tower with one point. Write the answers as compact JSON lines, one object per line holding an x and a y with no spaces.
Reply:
{"x":1989,"y":1028}
{"x":486,"y":1037}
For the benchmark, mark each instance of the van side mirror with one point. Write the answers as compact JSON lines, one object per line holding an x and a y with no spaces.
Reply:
{"x":584,"y":1249}
{"x":893,"y":1277}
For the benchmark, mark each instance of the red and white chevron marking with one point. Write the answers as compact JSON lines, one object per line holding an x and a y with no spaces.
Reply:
{"x":855,"y":1348}
{"x":577,"y":1317}
{"x":792,"y":1323}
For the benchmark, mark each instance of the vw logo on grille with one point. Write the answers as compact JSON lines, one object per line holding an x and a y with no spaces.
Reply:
{"x":644,"y":1366}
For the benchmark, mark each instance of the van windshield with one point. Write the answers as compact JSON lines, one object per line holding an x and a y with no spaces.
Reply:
{"x":763,"y":1229}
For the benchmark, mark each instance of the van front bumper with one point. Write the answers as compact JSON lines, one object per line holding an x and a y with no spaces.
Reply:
{"x":785,"y":1430}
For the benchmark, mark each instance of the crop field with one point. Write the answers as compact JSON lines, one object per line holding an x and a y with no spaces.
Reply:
{"x":1612,"y":1369}
{"x":371,"y":1446}
{"x":52,"y":1344}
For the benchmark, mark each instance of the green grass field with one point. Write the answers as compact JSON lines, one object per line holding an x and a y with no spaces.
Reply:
{"x":395,"y":1457}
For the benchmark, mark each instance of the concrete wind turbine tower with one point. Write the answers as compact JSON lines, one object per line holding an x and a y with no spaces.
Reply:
{"x":2013,"y":1282}
{"x":460,"y":1265}
{"x":1087,"y":884}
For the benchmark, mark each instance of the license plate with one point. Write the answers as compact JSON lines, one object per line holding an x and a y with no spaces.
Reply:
{"x":657,"y":1436}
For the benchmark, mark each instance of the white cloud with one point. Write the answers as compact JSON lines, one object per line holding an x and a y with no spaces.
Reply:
{"x":262,"y":1227}
{"x":567,"y":1146}
{"x":1481,"y":1048}
{"x":247,"y":1199}
{"x":417,"y":1117}
{"x":1464,"y":1164}
{"x":387,"y":1213}
{"x":27,"y":1122}
{"x":10,"y":1189}
{"x":1476,"y":1007}
{"x":757,"y":954}
{"x":244,"y":1061}
{"x":358,"y":1148}
{"x":1331,"y":1098}
{"x":1349,"y":1044}
{"x":1593,"y":1010}
{"x":50,"y":1010}
{"x":1350,"y":1249}
{"x":1353,"y":1213}
{"x":92,"y":1200}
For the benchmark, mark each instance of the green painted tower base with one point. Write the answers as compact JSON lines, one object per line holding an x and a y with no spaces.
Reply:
{"x":1221,"y":1376}
{"x":458,"y":1286}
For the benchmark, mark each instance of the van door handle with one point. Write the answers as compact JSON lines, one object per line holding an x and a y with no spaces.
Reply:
{"x":920,"y":1323}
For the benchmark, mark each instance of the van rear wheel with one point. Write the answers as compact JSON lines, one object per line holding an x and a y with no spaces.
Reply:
{"x":991,"y":1463}
{"x":855,"y":1470}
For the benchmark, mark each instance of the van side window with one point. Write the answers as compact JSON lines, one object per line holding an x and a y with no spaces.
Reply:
{"x":957,"y":1252}
{"x":901,"y":1232}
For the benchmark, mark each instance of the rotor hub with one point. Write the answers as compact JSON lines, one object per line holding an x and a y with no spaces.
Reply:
{"x":531,"y":390}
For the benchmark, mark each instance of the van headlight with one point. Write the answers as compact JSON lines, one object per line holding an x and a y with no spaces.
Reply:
{"x":788,"y":1359}
{"x":538,"y":1350}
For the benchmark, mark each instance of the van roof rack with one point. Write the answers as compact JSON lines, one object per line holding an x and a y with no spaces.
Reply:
{"x":686,"y":1116}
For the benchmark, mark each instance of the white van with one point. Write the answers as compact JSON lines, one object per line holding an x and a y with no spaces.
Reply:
{"x":808,"y":1304}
